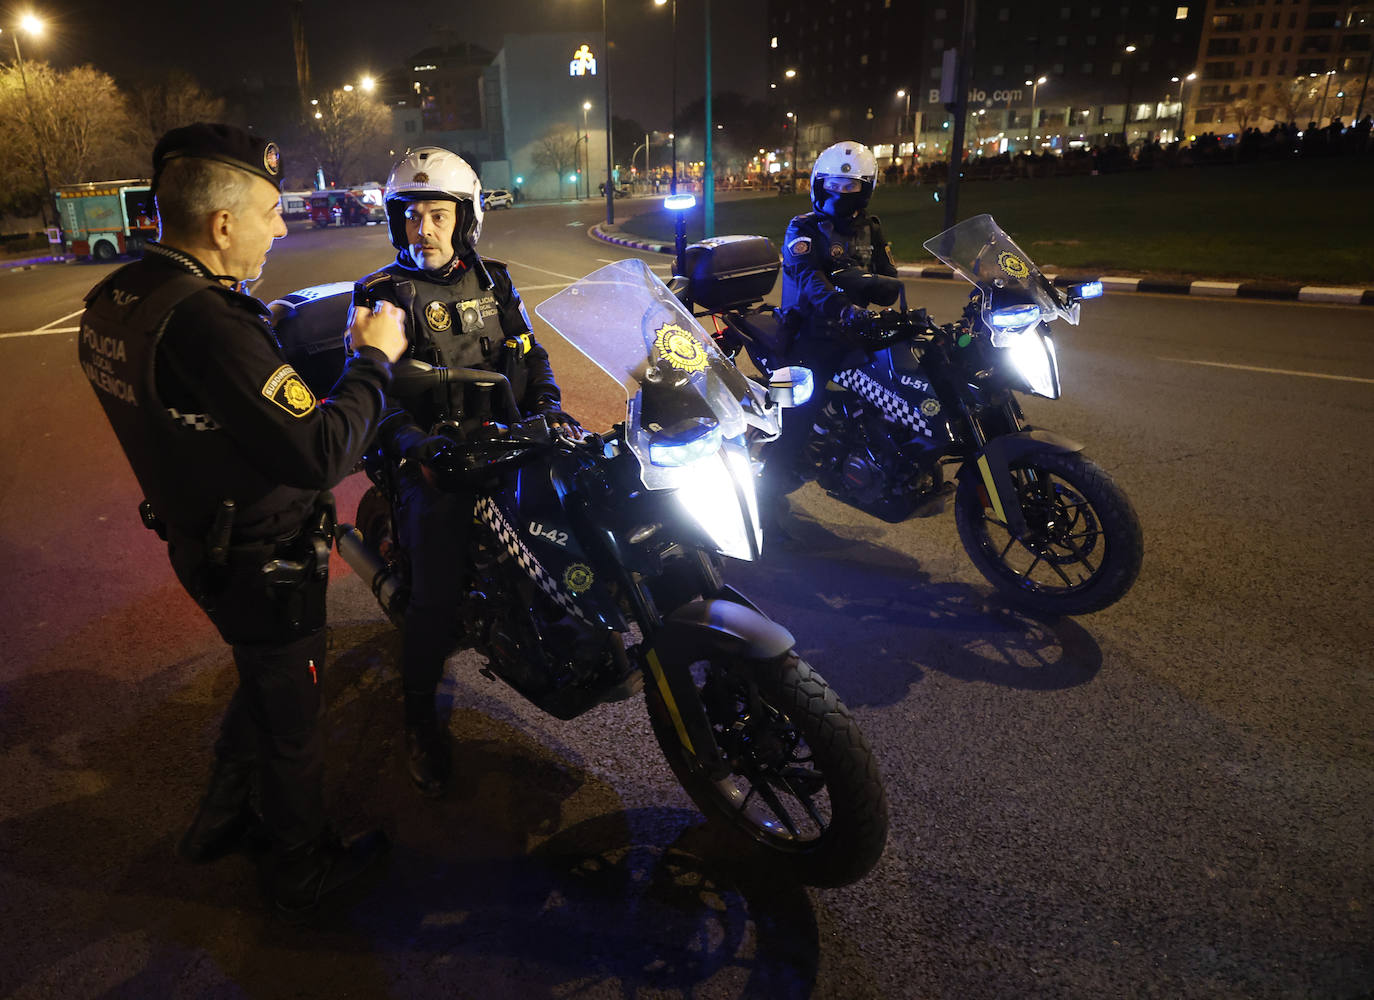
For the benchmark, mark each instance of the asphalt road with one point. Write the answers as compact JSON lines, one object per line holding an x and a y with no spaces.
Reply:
{"x":1173,"y":797}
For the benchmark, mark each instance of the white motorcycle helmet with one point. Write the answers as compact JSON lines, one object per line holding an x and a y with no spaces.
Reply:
{"x":430,"y":173}
{"x":842,"y":180}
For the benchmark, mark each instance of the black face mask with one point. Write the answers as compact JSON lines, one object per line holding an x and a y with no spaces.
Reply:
{"x":845,"y":208}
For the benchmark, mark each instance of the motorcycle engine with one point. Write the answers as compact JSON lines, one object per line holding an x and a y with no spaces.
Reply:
{"x":864,"y":480}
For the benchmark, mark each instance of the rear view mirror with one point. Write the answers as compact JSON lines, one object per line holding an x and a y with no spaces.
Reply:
{"x":791,"y":386}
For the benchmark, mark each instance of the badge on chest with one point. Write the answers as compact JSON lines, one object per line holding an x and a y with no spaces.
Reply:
{"x":438,"y":316}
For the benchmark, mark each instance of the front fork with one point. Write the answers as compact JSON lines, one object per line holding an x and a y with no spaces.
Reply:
{"x":726,"y":623}
{"x":997,"y":451}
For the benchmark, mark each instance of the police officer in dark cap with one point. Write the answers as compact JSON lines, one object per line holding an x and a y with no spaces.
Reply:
{"x":235,"y":456}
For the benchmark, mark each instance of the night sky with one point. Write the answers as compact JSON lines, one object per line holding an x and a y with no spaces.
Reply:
{"x":223,"y":43}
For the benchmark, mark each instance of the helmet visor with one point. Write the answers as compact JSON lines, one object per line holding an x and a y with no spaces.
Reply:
{"x":842,"y":185}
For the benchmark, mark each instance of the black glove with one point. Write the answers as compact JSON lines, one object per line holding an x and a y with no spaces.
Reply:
{"x":563,"y":424}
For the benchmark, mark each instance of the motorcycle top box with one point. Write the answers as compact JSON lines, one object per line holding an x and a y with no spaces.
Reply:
{"x":310,"y":326}
{"x":728,"y":272}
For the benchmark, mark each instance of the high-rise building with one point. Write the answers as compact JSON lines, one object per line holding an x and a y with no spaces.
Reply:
{"x":1085,"y":71}
{"x":1267,"y":61}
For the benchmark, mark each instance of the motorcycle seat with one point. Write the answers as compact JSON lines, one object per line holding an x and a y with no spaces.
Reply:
{"x":770,"y":331}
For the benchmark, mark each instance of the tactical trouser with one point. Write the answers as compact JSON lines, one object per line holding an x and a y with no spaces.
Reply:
{"x":434,"y":527}
{"x":279,"y":645}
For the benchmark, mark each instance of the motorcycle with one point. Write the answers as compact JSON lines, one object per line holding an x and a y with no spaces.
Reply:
{"x":1043,"y":523}
{"x":596,"y":567}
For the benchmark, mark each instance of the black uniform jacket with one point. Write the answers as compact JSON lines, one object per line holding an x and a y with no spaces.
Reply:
{"x":469,"y":316}
{"x":813,"y":249}
{"x":207,"y":409}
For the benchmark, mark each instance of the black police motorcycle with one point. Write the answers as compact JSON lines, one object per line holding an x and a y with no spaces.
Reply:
{"x":1044,"y":524}
{"x":596,"y":569}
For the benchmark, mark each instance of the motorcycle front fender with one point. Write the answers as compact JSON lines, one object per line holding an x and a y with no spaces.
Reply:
{"x":695,"y":632}
{"x":993,"y":466}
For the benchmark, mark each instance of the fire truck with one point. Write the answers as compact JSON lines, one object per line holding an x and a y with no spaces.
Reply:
{"x":103,"y":219}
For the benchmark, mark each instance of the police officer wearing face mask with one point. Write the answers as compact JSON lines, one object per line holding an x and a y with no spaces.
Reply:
{"x":463,"y":312}
{"x":235,"y":456}
{"x":838,"y":234}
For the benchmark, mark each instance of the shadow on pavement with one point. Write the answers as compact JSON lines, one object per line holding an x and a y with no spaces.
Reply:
{"x":879,"y":612}
{"x":531,"y":879}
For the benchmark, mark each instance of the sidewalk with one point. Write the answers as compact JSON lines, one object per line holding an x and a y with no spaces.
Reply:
{"x":1272,"y":290}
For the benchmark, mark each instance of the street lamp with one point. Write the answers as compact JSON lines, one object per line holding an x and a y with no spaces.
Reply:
{"x":1130,"y":80}
{"x":1322,"y":112}
{"x":905,"y":115}
{"x":586,"y":134}
{"x":1187,"y":79}
{"x":1034,"y":85}
{"x":796,"y":128}
{"x":33,"y":26}
{"x":673,"y":134}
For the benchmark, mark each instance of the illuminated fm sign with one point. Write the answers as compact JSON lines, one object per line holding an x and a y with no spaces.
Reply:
{"x":583,"y":63}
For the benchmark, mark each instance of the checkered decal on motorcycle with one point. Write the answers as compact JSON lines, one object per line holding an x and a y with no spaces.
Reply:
{"x":894,"y":407}
{"x":494,"y":519}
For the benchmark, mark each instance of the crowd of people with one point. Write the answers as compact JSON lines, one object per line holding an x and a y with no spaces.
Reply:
{"x":1283,"y":141}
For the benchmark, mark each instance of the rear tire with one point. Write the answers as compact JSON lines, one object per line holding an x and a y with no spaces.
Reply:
{"x":804,"y":791}
{"x":104,"y":251}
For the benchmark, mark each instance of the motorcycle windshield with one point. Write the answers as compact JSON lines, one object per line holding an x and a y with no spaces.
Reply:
{"x":980,"y":252}
{"x":675,"y":379}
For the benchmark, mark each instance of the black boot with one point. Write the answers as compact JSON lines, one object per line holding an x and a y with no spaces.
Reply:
{"x":302,"y":876}
{"x":225,"y":815}
{"x":429,"y":759}
{"x":428,"y":756}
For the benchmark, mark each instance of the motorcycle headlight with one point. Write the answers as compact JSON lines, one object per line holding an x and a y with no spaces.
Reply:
{"x":1032,"y":355}
{"x":684,"y":443}
{"x":719,"y":496}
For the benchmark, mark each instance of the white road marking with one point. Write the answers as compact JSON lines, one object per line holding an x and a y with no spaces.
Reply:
{"x":652,"y":267}
{"x":532,"y":267}
{"x":40,"y":333}
{"x":61,"y":318}
{"x":1271,"y":371}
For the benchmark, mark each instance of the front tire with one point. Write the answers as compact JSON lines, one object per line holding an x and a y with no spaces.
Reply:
{"x":1082,"y":547}
{"x":804,"y":790}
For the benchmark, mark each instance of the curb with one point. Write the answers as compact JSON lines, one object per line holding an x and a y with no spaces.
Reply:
{"x":32,"y":262}
{"x":1271,"y":290}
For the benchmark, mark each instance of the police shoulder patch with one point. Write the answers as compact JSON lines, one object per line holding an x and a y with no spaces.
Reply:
{"x":799,"y":247}
{"x":287,"y":390}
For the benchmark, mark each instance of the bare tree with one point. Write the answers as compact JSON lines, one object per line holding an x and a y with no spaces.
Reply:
{"x":1288,"y":98}
{"x":157,"y":106}
{"x":77,"y":118}
{"x":1244,"y":111}
{"x":558,"y":150}
{"x":349,"y":135}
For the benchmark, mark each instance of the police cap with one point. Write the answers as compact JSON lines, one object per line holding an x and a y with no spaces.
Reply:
{"x":222,"y":143}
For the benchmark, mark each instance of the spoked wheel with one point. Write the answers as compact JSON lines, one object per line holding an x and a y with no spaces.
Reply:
{"x":803,"y":788}
{"x":1082,"y":547}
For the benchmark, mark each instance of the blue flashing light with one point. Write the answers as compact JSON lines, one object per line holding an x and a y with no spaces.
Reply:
{"x":679,"y":202}
{"x":1015,"y":317}
{"x":1090,"y":290}
{"x":685,"y":444}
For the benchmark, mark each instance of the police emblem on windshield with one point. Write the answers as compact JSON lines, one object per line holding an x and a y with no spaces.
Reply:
{"x":1012,"y":264}
{"x":679,"y":348}
{"x":286,"y":389}
{"x":437,"y":316}
{"x":271,"y":158}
